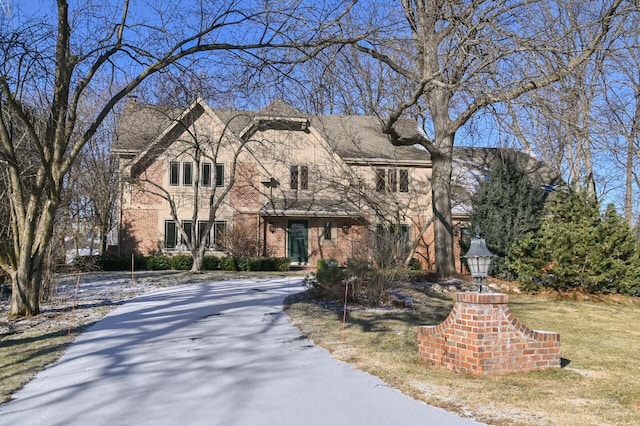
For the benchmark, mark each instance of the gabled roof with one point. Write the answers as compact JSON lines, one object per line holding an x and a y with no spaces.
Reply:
{"x":140,"y":124}
{"x":354,"y":138}
{"x":471,"y":165}
{"x":357,"y":137}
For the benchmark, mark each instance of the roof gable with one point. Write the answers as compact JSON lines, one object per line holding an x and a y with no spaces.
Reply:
{"x":351,"y":137}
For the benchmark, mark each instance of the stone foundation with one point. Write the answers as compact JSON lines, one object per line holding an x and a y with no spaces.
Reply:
{"x":481,"y":336}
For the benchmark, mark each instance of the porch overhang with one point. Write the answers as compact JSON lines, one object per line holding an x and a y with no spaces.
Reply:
{"x":310,"y":213}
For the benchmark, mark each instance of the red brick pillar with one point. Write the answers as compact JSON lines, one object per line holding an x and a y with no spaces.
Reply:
{"x":481,"y":336}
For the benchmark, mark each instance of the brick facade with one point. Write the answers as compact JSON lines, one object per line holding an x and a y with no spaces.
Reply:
{"x":481,"y":336}
{"x":139,"y":231}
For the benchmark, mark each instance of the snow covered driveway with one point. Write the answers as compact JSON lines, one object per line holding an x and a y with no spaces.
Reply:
{"x":220,"y":353}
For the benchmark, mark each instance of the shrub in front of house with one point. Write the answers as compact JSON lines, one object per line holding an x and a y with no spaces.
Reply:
{"x":283,"y":264}
{"x":368,"y":283}
{"x":329,"y":280}
{"x":264,"y":263}
{"x":108,"y":263}
{"x":158,"y":263}
{"x":181,"y":262}
{"x":228,"y":263}
{"x":122,"y":263}
{"x":210,"y":263}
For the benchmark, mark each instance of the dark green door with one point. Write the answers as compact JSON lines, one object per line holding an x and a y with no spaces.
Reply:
{"x":298,"y":240}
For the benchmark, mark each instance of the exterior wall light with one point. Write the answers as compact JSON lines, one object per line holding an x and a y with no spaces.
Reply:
{"x":345,"y":229}
{"x":272,"y":228}
{"x":478,"y":260}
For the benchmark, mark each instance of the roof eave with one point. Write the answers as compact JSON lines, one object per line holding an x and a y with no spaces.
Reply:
{"x":363,"y":161}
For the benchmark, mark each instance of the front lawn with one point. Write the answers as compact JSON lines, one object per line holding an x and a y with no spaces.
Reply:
{"x":600,"y":340}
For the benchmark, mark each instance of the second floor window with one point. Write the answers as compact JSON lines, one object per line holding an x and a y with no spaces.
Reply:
{"x":404,"y":180}
{"x":392,"y":180}
{"x":205,"y":173}
{"x":174,"y":173}
{"x":299,"y":177}
{"x":219,"y":174}
{"x":187,"y":173}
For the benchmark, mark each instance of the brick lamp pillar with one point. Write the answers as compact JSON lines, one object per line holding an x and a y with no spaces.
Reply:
{"x":481,"y":336}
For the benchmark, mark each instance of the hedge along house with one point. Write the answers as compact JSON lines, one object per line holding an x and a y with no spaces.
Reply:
{"x":284,"y":183}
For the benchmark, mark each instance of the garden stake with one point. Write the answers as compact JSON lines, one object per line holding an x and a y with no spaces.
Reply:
{"x":73,"y":305}
{"x":344,"y":314}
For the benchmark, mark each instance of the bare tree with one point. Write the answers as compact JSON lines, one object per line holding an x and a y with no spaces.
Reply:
{"x":51,"y":65}
{"x":211,"y":186}
{"x":620,"y":111}
{"x":458,"y":58}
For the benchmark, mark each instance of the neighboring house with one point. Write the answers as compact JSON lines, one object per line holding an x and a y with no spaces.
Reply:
{"x":300,"y":186}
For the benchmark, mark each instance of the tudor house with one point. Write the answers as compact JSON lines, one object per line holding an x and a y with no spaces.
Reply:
{"x":304,"y":187}
{"x":300,"y":186}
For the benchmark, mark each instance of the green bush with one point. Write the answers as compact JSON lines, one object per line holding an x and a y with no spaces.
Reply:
{"x":181,"y":262}
{"x":506,"y":206}
{"x":228,"y":264}
{"x":415,"y":264}
{"x":158,"y":263}
{"x":283,"y":264}
{"x":329,"y":280}
{"x":108,"y":263}
{"x":210,"y":263}
{"x":122,"y":263}
{"x":578,"y":248}
{"x":264,"y":264}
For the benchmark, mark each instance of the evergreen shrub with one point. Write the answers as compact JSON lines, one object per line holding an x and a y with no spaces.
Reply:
{"x":210,"y":263}
{"x":181,"y":262}
{"x":578,"y":248}
{"x":228,"y":263}
{"x":507,"y":206}
{"x":158,"y":263}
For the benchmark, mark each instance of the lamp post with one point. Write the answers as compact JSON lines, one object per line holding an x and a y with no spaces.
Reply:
{"x":478,"y":259}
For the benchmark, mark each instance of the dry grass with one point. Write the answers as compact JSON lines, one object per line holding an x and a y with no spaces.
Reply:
{"x":600,"y":339}
{"x":23,"y":355}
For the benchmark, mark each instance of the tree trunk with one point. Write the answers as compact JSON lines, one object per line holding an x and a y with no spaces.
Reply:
{"x":443,"y":227}
{"x":26,"y":281}
{"x":198,"y":256}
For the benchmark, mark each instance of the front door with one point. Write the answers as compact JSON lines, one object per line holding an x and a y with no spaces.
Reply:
{"x":298,"y":241}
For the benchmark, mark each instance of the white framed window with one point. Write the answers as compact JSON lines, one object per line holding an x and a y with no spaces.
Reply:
{"x":219,"y":174}
{"x":174,"y":173}
{"x":205,"y":174}
{"x":299,"y":177}
{"x":187,"y":173}
{"x":392,"y":180}
{"x":170,"y":235}
{"x":219,"y":229}
{"x":326,"y":232}
{"x":187,"y":226}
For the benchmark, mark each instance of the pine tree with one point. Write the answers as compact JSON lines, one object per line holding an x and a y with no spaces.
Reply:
{"x":576,"y":248}
{"x":568,"y":237}
{"x":506,"y":207}
{"x":616,"y":263}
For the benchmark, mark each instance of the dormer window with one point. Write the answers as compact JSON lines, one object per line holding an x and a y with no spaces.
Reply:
{"x":299,"y":177}
{"x":392,"y":180}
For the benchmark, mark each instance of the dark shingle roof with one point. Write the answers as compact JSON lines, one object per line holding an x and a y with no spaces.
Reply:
{"x":357,"y":136}
{"x":484,"y":158}
{"x":352,"y":137}
{"x":141,"y":123}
